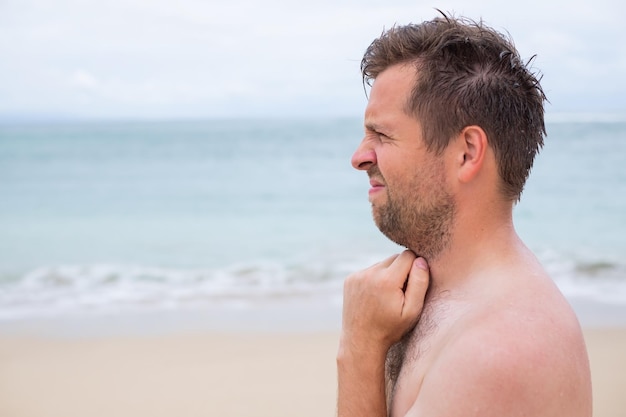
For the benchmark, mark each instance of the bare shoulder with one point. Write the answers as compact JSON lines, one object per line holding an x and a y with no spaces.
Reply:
{"x":520,"y":354}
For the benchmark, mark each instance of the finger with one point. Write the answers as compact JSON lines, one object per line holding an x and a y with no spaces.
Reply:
{"x":400,"y":268}
{"x":419,"y":277}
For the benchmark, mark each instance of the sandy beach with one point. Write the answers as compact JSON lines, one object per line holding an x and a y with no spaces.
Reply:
{"x":213,"y":373}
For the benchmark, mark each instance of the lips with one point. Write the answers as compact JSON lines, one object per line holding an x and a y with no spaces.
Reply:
{"x":375,"y":183}
{"x":375,"y":186}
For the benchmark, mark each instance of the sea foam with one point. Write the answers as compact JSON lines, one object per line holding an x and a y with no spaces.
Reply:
{"x":106,"y":288}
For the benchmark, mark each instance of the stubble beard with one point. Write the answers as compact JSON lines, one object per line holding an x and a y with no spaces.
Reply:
{"x":423,"y":227}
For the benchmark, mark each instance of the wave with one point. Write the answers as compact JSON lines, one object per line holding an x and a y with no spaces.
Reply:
{"x":104,"y":288}
{"x":597,"y":280}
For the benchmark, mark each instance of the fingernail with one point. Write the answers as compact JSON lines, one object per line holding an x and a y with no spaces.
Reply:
{"x":421,"y":264}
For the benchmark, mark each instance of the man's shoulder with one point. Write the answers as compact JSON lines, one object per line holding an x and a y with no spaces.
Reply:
{"x":514,"y":338}
{"x":513,"y":355}
{"x":526,"y":314}
{"x":527,"y":331}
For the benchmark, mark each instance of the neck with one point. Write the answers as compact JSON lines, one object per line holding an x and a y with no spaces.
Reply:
{"x":481,"y":240}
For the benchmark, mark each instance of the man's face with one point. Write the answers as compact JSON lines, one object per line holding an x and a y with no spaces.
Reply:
{"x":410,"y":200}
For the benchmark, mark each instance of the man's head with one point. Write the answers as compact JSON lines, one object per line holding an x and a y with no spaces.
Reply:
{"x":467,"y":74}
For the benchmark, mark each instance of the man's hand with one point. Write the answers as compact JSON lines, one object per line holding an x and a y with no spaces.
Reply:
{"x":379,"y":307}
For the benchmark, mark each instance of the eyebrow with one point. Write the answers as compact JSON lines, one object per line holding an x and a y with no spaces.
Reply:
{"x":374,"y":127}
{"x":378,"y":128}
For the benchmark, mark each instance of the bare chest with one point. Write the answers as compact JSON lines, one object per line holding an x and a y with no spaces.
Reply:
{"x":410,"y":359}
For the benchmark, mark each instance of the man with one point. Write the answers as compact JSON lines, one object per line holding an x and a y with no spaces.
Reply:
{"x":465,"y":322}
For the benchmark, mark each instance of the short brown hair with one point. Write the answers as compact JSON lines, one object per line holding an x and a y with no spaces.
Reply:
{"x":468,"y":74}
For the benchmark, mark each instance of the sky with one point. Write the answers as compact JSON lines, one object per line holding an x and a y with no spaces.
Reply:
{"x":158,"y":59}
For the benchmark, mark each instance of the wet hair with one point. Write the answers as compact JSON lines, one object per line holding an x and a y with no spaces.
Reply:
{"x":468,"y":74}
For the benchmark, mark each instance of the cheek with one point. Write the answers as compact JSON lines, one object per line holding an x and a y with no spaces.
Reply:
{"x":435,"y":179}
{"x":396,"y":168}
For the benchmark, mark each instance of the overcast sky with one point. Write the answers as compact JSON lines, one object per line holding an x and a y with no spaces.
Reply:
{"x":238,"y":58}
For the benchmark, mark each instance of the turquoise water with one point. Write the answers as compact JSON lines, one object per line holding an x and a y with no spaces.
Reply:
{"x":114,"y":215}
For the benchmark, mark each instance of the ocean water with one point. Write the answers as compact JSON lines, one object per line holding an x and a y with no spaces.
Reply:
{"x":104,"y":217}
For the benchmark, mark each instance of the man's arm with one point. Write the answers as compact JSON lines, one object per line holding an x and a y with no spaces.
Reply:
{"x":377,"y":312}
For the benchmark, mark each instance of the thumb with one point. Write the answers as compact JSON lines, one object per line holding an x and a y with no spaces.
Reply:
{"x":419,"y":277}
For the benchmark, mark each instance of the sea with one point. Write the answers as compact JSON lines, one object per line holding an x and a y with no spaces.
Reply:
{"x":105,"y":218}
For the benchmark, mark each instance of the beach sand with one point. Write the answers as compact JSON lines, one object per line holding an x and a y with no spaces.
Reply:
{"x":212,"y":373}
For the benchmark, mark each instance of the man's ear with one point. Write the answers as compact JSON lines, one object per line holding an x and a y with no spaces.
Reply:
{"x":473,"y":145}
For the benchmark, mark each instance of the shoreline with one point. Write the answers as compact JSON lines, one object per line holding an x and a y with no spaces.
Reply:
{"x":273,"y":315}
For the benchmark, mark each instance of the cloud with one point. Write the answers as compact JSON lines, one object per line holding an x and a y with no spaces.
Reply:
{"x":198,"y":58}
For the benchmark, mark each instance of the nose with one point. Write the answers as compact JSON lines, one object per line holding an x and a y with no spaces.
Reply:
{"x":364,"y":156}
